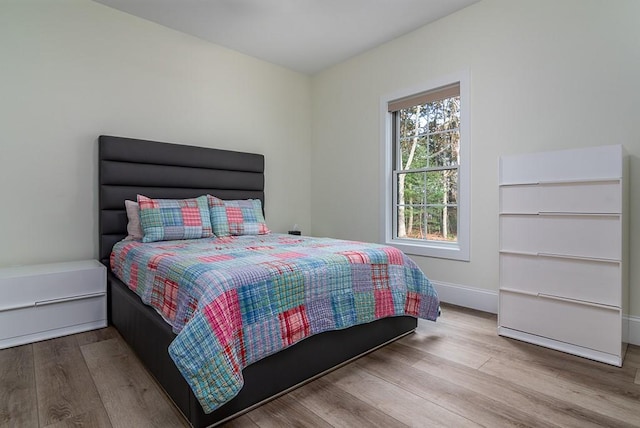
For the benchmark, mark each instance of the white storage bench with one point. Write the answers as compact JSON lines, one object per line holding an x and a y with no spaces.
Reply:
{"x":40,"y":302}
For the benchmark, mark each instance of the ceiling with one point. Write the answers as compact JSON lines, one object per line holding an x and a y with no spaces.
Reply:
{"x":302,"y":35}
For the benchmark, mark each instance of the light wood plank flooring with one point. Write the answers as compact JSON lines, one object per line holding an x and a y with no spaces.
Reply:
{"x":453,"y":373}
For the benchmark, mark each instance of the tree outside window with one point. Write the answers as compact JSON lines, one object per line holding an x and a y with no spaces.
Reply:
{"x":427,"y":159}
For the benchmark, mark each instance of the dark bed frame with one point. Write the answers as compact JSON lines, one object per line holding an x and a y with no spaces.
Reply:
{"x":128,"y":167}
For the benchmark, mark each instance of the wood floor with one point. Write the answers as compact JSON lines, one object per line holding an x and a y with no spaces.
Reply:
{"x":453,"y":373}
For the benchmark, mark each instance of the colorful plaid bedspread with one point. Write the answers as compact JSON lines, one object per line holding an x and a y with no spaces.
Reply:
{"x":235,"y":300}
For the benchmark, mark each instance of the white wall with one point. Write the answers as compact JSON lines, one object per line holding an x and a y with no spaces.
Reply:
{"x":541,"y":73}
{"x":545,"y":74}
{"x":71,"y":70}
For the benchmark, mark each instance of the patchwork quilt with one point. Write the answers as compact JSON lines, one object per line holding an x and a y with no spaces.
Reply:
{"x":237,"y":299}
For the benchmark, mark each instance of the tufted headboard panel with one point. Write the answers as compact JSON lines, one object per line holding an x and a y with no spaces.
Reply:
{"x":128,"y":167}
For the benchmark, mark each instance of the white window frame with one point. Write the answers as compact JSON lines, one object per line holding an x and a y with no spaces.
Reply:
{"x":459,"y":250}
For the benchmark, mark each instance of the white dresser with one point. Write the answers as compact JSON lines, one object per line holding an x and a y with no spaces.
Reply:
{"x":44,"y":301}
{"x":563,"y":250}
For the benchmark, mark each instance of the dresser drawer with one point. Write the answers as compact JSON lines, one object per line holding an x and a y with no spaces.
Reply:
{"x":595,"y":236}
{"x":588,"y":197}
{"x":586,"y":280}
{"x":520,"y":199}
{"x":595,"y":197}
{"x":593,"y":327}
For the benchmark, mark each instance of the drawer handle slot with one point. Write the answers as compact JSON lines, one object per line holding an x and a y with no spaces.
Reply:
{"x":51,"y":301}
{"x":69,"y":299}
{"x":560,"y":256}
{"x":16,"y":307}
{"x":513,"y":290}
{"x":563,"y":299}
{"x":575,"y":214}
{"x":580,"y":302}
{"x":566,"y":256}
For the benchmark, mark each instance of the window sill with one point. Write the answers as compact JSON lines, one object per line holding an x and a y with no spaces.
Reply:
{"x":431,"y":249}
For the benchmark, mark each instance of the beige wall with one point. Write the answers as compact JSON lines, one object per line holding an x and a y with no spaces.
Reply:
{"x":545,"y":74}
{"x":74,"y":69}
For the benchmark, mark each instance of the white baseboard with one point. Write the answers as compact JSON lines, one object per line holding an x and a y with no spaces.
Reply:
{"x":487,"y":301}
{"x":633,"y":333}
{"x":468,"y":297}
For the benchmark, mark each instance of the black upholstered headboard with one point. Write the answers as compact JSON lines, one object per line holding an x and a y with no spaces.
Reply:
{"x":162,"y":170}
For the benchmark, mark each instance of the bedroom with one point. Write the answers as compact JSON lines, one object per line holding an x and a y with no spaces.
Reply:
{"x":541,"y":73}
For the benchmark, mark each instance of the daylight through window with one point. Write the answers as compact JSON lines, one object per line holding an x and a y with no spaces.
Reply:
{"x":426,"y":148}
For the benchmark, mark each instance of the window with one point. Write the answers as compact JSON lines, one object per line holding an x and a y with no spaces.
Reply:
{"x":426,"y":162}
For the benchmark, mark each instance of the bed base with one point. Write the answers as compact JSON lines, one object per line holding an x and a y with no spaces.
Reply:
{"x":149,"y":336}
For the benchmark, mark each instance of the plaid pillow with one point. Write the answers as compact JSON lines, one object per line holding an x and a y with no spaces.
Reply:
{"x":242,"y":217}
{"x":169,"y":219}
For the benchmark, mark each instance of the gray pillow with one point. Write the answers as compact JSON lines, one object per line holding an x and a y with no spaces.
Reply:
{"x":134,"y":229}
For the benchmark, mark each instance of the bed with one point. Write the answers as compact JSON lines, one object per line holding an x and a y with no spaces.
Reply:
{"x":128,"y":167}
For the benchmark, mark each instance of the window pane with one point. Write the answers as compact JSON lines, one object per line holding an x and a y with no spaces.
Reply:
{"x":411,"y":118}
{"x":444,"y":114}
{"x":417,"y":189}
{"x":432,"y":187}
{"x":443,"y":149}
{"x":411,"y":192}
{"x":435,"y":117}
{"x":411,"y":188}
{"x":442,"y":187}
{"x":452,"y":223}
{"x":451,"y":113}
{"x":435,"y":187}
{"x":442,"y":224}
{"x":412,"y":222}
{"x":451,"y":185}
{"x":414,"y":149}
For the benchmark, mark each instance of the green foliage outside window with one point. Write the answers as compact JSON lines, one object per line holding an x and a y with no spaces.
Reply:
{"x":427,"y":170}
